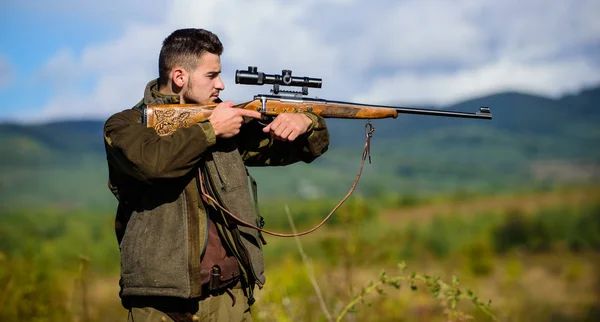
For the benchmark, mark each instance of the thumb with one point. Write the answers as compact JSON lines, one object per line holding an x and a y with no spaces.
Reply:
{"x":267,"y":128}
{"x":226,"y":104}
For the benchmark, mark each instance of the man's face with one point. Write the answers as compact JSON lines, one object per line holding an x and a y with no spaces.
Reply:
{"x":204,"y":82}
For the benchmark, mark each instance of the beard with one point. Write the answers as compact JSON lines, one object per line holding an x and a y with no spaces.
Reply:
{"x":190,"y":96}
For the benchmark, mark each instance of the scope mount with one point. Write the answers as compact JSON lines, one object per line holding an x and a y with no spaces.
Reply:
{"x":253,"y":77}
{"x":276,"y":90}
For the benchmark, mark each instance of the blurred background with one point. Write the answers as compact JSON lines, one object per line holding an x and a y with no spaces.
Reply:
{"x":510,"y":207}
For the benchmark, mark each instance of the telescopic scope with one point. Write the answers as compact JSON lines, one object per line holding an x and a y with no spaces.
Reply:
{"x":253,"y":77}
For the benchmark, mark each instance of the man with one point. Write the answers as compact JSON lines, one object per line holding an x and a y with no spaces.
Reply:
{"x":182,"y":258}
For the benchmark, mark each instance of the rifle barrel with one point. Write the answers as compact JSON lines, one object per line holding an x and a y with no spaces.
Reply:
{"x":483,"y":113}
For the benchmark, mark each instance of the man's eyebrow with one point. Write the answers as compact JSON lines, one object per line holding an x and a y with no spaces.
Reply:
{"x":214,"y":72}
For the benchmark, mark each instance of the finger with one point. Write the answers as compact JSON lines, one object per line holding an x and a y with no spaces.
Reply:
{"x":238,"y":120}
{"x":227,"y":104}
{"x":293,"y":136}
{"x":249,"y":113}
{"x":285,"y":133}
{"x":267,"y":128}
{"x":279,"y":130}
{"x":275,"y":124}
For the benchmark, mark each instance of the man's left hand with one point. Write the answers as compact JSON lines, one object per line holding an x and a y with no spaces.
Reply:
{"x":288,"y":126}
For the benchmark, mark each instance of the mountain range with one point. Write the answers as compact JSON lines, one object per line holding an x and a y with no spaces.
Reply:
{"x":532,"y":141}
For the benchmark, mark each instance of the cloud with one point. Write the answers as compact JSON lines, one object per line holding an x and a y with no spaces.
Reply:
{"x":121,"y":68}
{"x":548,"y":79}
{"x":386,"y":51}
{"x":6,"y":73}
{"x":540,"y":29}
{"x":61,"y":72}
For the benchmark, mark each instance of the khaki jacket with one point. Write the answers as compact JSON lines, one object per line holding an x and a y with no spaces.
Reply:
{"x":161,"y":222}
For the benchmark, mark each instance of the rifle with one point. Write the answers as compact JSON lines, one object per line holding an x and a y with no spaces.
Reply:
{"x":166,"y":118}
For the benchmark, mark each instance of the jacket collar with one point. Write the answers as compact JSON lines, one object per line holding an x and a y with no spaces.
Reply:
{"x":153,"y":96}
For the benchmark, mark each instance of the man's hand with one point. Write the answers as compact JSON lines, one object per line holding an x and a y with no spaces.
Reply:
{"x":226,"y":121}
{"x":288,"y":126}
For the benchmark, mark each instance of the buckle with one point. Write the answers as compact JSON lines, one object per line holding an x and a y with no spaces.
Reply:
{"x":215,"y":278}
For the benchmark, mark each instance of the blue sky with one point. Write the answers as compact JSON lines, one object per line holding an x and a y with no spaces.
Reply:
{"x":77,"y":60}
{"x":29,"y":39}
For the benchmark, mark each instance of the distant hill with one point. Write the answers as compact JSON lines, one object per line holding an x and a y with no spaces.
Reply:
{"x":586,"y":102}
{"x":531,"y":141}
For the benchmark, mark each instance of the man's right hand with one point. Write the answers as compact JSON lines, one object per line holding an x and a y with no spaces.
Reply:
{"x":227,"y":121}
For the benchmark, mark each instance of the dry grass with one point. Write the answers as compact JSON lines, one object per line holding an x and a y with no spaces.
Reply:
{"x":527,"y":203}
{"x":514,"y":284}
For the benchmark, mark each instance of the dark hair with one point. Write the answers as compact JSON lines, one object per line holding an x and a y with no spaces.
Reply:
{"x":184,"y":47}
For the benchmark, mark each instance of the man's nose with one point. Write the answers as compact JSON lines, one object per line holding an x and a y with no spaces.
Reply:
{"x":219,"y":84}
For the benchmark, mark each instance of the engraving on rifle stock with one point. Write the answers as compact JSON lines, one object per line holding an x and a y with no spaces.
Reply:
{"x":170,"y":119}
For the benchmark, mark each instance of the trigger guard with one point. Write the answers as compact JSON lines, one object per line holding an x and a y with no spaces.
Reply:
{"x":266,"y":120}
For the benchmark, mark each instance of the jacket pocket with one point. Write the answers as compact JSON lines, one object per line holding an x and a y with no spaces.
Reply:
{"x":230,"y":170}
{"x":154,"y":251}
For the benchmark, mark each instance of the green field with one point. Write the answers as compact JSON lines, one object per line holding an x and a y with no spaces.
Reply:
{"x":532,"y":254}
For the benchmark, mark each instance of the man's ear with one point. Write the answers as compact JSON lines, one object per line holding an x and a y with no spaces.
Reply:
{"x":179,"y":76}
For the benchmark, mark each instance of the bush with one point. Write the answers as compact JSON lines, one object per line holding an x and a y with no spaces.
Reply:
{"x":546,"y":229}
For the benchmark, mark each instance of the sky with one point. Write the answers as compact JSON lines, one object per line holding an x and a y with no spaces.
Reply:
{"x":72,"y":59}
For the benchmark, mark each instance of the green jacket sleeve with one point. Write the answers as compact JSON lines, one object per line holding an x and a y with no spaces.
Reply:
{"x":142,"y":154}
{"x":259,"y":149}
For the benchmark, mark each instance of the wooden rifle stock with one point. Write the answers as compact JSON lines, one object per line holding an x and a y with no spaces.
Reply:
{"x":167,"y":118}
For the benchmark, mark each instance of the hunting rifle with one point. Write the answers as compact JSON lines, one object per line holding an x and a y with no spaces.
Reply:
{"x":167,"y":118}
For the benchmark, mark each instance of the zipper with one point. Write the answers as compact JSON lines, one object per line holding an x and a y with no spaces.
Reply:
{"x":244,"y":255}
